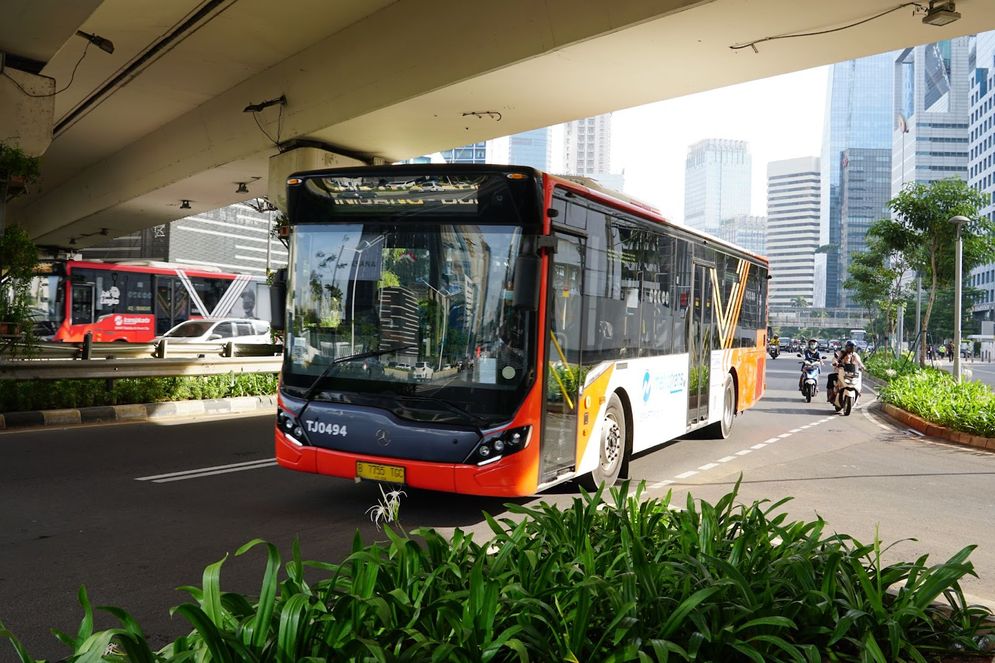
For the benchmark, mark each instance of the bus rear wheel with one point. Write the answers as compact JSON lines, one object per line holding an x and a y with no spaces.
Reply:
{"x":614,"y":448}
{"x":720,"y":429}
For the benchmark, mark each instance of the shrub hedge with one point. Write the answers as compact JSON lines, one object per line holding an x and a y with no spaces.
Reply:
{"x":936,"y":397}
{"x":20,"y":395}
{"x":619,"y":580}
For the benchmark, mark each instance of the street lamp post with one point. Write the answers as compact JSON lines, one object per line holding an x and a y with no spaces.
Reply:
{"x":355,"y":280}
{"x":445,"y":319}
{"x":959,"y":222}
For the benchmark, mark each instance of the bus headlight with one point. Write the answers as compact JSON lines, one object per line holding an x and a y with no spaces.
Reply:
{"x":496,"y":446}
{"x":290,"y":427}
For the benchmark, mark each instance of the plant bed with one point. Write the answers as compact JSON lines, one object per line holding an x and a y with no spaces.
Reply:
{"x":614,"y":580}
{"x":19,"y":396}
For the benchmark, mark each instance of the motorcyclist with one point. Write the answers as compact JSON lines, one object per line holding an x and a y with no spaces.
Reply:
{"x":811,"y":354}
{"x":848,"y":355}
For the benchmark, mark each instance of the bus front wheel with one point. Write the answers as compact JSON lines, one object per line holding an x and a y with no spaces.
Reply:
{"x":611,"y":456}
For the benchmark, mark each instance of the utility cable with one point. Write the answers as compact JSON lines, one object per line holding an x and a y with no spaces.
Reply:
{"x":50,"y":94}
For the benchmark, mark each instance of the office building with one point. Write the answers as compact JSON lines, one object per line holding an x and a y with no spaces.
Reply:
{"x":717,"y":176}
{"x":529,"y":148}
{"x":794,"y":233}
{"x":981,"y":160}
{"x":859,"y":115}
{"x":587,"y":147}
{"x":237,"y":238}
{"x":864,"y":191}
{"x":932,"y":106}
{"x":750,"y":232}
{"x":473,"y":153}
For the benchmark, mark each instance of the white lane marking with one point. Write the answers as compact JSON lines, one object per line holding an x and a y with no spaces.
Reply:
{"x":685,"y":475}
{"x":875,"y":421}
{"x":726,"y":459}
{"x":806,"y":426}
{"x":795,"y":430}
{"x":915,"y":432}
{"x":707,"y":466}
{"x":771,"y":440}
{"x":784,"y":435}
{"x":661,"y":484}
{"x":233,"y":467}
{"x":744,"y":452}
{"x":271,"y":463}
{"x":759,"y":446}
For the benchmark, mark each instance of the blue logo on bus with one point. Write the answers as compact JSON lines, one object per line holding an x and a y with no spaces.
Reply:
{"x":647,"y":386}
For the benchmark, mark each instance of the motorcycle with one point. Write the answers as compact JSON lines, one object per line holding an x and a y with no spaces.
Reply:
{"x":810,"y":378}
{"x":773,"y":351}
{"x":847,"y":389}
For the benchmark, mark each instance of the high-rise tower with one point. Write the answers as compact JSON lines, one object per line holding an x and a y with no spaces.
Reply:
{"x":793,"y":233}
{"x":529,"y":148}
{"x":932,"y":108}
{"x":717,"y":175}
{"x":981,"y":159}
{"x":587,"y":146}
{"x":859,"y":114}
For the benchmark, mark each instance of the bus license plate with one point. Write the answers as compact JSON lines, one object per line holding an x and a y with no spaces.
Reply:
{"x":376,"y":472}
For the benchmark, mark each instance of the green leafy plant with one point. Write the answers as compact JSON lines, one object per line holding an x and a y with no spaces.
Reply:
{"x":18,"y":261}
{"x":44,"y":395}
{"x":598,"y":580}
{"x":937,"y":397}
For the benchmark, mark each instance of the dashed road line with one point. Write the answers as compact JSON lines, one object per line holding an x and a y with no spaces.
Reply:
{"x":209,"y":471}
{"x":726,"y":459}
{"x":759,"y":446}
{"x":686,"y":475}
{"x":771,"y":440}
{"x":795,"y":430}
{"x":707,"y":466}
{"x":744,"y":452}
{"x":784,"y":435}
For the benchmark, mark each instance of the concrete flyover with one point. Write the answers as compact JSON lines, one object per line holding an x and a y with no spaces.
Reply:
{"x":161,"y":119}
{"x":820,"y":318}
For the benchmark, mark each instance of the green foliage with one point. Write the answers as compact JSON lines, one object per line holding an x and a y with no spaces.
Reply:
{"x":622,"y":580}
{"x":18,"y":261}
{"x":16,"y":165}
{"x":923,"y":237}
{"x":935,"y":396}
{"x":21,"y":395}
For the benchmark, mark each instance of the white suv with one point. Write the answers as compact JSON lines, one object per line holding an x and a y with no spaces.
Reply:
{"x":422,"y":371}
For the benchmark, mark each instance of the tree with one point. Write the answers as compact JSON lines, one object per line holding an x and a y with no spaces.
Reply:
{"x":876,"y":278}
{"x":799,"y":301}
{"x":18,"y":256}
{"x":920,"y":232}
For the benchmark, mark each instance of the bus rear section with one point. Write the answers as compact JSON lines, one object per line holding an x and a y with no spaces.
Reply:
{"x":494,"y":331}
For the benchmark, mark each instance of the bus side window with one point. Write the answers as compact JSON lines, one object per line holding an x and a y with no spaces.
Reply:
{"x":681,"y":293}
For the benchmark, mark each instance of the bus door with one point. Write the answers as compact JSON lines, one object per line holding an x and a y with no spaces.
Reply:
{"x":562,"y":369}
{"x":172,"y":304}
{"x":82,"y":304}
{"x":699,"y":342}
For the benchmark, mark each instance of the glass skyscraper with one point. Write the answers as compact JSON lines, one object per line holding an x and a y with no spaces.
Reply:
{"x":859,"y":114}
{"x":529,"y":148}
{"x":981,"y":164}
{"x":717,"y":178}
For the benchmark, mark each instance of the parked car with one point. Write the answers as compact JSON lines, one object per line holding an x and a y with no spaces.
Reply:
{"x":205,"y":330}
{"x":422,"y":371}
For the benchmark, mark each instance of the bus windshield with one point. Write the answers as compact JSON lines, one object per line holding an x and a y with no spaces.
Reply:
{"x":426,"y":307}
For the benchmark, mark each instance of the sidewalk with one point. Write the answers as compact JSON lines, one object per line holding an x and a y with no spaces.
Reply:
{"x":138,"y":412}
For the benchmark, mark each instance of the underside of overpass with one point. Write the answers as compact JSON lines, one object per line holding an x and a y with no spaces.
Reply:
{"x":128,"y":135}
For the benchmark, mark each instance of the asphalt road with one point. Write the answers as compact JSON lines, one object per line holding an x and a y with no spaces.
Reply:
{"x":120,"y":508}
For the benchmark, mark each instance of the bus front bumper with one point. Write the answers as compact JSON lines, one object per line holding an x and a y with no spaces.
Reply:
{"x":512,"y":476}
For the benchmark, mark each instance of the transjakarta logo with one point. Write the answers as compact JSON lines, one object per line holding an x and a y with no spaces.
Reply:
{"x":673,"y":383}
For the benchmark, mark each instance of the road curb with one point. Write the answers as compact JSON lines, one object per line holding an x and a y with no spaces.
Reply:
{"x":935,"y":430}
{"x":137,"y":412}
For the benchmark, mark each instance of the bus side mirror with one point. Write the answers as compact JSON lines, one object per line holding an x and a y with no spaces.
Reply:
{"x":525,"y":294}
{"x":278,"y":300}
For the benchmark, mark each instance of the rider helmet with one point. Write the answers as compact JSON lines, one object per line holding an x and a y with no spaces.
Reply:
{"x":849,"y":346}
{"x":813,"y":343}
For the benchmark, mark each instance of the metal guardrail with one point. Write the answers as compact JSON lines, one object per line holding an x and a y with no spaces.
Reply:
{"x":60,"y":361}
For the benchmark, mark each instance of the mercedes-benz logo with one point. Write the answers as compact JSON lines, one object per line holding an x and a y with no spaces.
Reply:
{"x":383,"y":437}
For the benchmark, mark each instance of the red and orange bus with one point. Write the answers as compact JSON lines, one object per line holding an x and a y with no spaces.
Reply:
{"x":496,"y":330}
{"x":135,"y":301}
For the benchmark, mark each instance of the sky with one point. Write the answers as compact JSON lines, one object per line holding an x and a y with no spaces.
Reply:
{"x":780,"y":117}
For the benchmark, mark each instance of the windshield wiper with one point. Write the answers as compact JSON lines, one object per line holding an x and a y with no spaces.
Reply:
{"x":463,"y":412}
{"x":309,"y":393}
